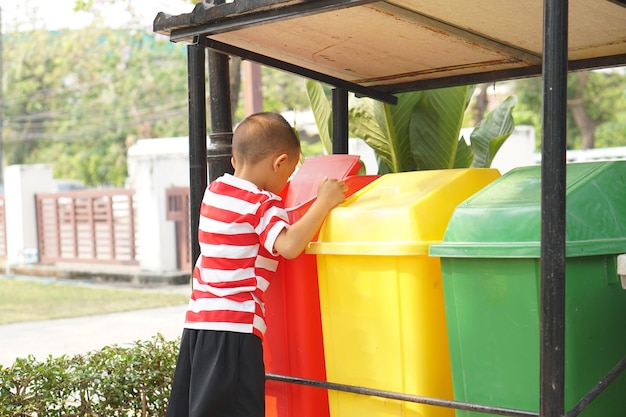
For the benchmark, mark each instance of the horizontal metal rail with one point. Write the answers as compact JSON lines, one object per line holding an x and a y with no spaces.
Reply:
{"x":359,"y":90}
{"x":403,"y":397}
{"x":458,"y":405}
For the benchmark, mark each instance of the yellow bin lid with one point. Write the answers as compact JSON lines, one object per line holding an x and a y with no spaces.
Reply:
{"x":399,"y":214}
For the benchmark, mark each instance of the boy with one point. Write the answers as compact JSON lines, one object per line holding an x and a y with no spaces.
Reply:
{"x":243,"y":231}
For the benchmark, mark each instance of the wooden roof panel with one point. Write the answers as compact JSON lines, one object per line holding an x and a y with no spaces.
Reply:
{"x":345,"y":46}
{"x":391,"y":44}
{"x":518,"y":23}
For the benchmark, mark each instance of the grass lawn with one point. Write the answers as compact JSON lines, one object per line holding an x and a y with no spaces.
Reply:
{"x":25,"y":300}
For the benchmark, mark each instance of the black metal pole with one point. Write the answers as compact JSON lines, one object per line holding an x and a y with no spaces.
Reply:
{"x":340,"y":120}
{"x":553,"y":169}
{"x":220,"y":149}
{"x":197,"y":140}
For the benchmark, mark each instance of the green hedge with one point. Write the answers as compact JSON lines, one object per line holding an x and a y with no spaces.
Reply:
{"x":114,"y":381}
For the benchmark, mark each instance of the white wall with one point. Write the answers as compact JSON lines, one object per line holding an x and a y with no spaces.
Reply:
{"x":155,"y":165}
{"x":21,"y":183}
{"x":591,"y":155}
{"x":518,"y":150}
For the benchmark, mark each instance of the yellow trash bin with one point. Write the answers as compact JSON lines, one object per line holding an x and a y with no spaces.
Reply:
{"x":381,"y":296}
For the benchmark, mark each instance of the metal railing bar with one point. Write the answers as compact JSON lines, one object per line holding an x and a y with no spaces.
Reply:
{"x":403,"y":397}
{"x":594,"y":392}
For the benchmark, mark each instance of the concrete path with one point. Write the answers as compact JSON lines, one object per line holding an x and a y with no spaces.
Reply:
{"x":84,"y":334}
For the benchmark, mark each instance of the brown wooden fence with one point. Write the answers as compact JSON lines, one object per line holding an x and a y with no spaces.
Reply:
{"x":178,"y":211}
{"x":87,"y":226}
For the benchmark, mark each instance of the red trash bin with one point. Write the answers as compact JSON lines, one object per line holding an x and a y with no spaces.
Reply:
{"x":293,"y":344}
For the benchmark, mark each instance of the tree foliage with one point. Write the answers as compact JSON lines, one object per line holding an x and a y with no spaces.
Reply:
{"x":79,"y":98}
{"x":596,"y":102}
{"x":283,"y":91}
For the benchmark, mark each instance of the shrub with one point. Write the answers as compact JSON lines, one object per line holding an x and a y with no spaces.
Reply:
{"x":115,"y":381}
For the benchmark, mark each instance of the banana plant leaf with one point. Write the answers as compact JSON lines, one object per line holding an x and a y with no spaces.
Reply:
{"x":435,"y":125}
{"x":421,"y":131}
{"x":492,"y":131}
{"x":322,"y":111}
{"x":464,"y":154}
{"x":386,"y":129}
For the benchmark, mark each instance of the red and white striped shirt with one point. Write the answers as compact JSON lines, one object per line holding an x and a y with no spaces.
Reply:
{"x":239,"y":223}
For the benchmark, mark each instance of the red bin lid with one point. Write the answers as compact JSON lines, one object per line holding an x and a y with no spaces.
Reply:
{"x":302,"y":187}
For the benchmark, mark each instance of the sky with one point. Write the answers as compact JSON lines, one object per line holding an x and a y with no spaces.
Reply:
{"x":59,"y":14}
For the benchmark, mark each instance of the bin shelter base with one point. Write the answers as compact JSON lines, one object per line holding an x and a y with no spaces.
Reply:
{"x":381,"y":295}
{"x":490,"y":260}
{"x":293,"y":342}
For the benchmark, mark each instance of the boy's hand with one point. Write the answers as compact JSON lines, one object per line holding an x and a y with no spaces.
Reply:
{"x":331,"y":192}
{"x":292,"y":241}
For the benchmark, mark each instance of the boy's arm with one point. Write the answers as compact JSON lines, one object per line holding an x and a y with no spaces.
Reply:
{"x":291,"y":242}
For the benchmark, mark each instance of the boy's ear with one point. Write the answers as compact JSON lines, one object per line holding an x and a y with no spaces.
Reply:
{"x":232,"y":162}
{"x":279,"y":160}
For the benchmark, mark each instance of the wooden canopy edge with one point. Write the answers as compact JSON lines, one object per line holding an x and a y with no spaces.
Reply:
{"x":207,"y":17}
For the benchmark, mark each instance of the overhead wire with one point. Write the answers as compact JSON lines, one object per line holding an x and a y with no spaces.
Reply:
{"x":90,"y":117}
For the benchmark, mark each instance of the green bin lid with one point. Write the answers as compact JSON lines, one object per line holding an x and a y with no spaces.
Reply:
{"x":503,"y":220}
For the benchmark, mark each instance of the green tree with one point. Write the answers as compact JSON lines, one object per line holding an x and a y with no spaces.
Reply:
{"x":596,"y":104}
{"x":283,"y":91}
{"x":78,"y":99}
{"x":594,"y":98}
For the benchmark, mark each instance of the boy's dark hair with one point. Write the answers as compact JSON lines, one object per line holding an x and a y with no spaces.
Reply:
{"x":263,"y":134}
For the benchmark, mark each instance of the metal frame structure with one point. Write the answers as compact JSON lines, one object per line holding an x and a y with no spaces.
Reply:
{"x":554,"y":67}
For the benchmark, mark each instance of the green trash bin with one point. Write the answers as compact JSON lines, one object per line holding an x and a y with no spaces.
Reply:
{"x":490,"y":261}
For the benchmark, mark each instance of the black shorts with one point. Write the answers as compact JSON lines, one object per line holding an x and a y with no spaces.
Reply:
{"x":218,"y":374}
